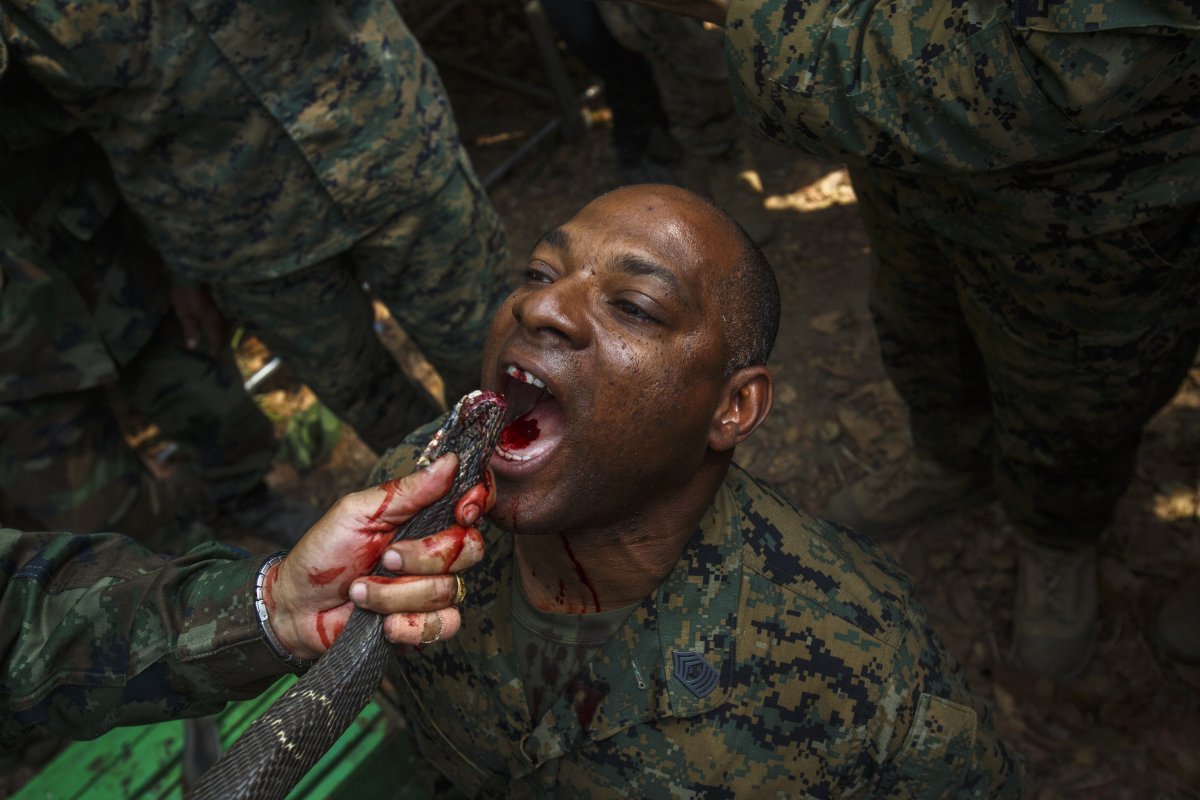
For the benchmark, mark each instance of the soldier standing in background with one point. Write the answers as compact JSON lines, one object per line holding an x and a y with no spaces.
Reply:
{"x":1029,"y":174}
{"x":86,"y":321}
{"x":282,"y":155}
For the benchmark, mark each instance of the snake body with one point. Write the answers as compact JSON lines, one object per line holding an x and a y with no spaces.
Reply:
{"x":275,"y":752}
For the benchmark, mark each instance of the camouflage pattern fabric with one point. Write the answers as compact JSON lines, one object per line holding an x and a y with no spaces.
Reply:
{"x":269,"y":139}
{"x":48,"y":340}
{"x":87,"y":322}
{"x":261,"y":138}
{"x":1049,"y":362}
{"x":783,"y":657}
{"x":689,"y":69}
{"x":440,"y":269}
{"x":1030,"y":176}
{"x":85,"y":292}
{"x":98,"y":632}
{"x":66,"y":463}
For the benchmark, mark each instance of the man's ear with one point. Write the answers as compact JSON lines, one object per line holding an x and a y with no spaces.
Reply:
{"x":746,"y":401}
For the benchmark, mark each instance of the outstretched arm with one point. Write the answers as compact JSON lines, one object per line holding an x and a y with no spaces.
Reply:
{"x":96,"y":631}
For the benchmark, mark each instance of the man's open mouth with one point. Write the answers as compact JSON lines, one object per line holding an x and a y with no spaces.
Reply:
{"x":535,"y":417}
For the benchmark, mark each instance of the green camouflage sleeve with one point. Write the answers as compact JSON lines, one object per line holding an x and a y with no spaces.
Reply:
{"x":97,"y":632}
{"x":948,"y":86}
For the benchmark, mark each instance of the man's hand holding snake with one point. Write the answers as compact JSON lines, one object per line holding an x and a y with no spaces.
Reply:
{"x":310,"y":594}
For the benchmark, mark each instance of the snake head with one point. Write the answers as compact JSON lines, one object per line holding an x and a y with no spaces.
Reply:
{"x":471,"y":429}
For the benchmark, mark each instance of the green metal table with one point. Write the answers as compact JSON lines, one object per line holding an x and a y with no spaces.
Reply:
{"x":373,"y":760}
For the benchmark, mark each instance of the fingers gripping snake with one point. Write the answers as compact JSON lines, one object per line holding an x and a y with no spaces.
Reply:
{"x":277,"y":750}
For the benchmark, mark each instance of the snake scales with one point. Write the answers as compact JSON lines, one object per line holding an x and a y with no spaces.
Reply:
{"x":283,"y":744}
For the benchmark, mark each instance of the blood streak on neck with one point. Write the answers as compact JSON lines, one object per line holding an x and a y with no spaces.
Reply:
{"x":583,"y":578}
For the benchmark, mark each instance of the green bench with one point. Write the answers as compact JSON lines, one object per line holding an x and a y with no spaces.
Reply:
{"x":372,"y":761}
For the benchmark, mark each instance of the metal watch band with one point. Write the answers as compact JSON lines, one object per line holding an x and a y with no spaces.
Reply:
{"x":264,"y":625}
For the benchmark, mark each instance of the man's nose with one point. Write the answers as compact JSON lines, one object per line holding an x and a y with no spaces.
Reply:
{"x":557,"y":310}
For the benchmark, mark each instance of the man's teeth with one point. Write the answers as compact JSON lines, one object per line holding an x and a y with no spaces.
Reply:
{"x":525,"y":377}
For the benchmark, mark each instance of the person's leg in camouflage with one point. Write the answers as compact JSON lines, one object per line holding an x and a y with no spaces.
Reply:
{"x":688,"y":58}
{"x":65,"y":463}
{"x":198,"y":401}
{"x":1084,"y":342}
{"x":1064,"y":350}
{"x":320,"y":321}
{"x":442,"y":270}
{"x":931,"y":357}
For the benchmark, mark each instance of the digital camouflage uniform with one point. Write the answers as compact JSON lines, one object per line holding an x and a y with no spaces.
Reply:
{"x":1030,"y":177}
{"x":284,"y":153}
{"x":85,"y":321}
{"x":97,"y":632}
{"x":783,"y":657}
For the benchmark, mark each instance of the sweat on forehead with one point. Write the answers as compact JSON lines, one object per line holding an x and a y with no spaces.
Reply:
{"x":685,"y":211}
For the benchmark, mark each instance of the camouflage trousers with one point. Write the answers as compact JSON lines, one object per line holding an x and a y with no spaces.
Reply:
{"x":440,"y":269}
{"x":688,"y":60}
{"x":1046,"y":360}
{"x":65,"y":464}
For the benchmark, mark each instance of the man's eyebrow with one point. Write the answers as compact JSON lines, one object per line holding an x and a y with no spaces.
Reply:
{"x":556,"y":238}
{"x":640,"y":265}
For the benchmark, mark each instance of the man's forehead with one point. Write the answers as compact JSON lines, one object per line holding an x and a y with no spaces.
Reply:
{"x":657,"y":224}
{"x":681,"y":270}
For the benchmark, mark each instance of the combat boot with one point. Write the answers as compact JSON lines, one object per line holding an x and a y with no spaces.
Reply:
{"x":1054,"y":615}
{"x":1177,"y":626}
{"x":737,"y":187}
{"x":914,"y":488}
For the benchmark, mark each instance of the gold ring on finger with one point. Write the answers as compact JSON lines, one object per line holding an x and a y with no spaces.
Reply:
{"x":460,"y":591}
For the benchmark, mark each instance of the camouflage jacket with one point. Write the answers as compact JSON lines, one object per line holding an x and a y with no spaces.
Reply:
{"x":783,"y":657}
{"x":251,"y":139}
{"x":97,"y":632}
{"x":80,"y":292}
{"x":1022,"y":121}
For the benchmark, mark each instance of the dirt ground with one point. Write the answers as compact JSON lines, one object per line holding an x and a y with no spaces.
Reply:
{"x":1129,"y":726}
